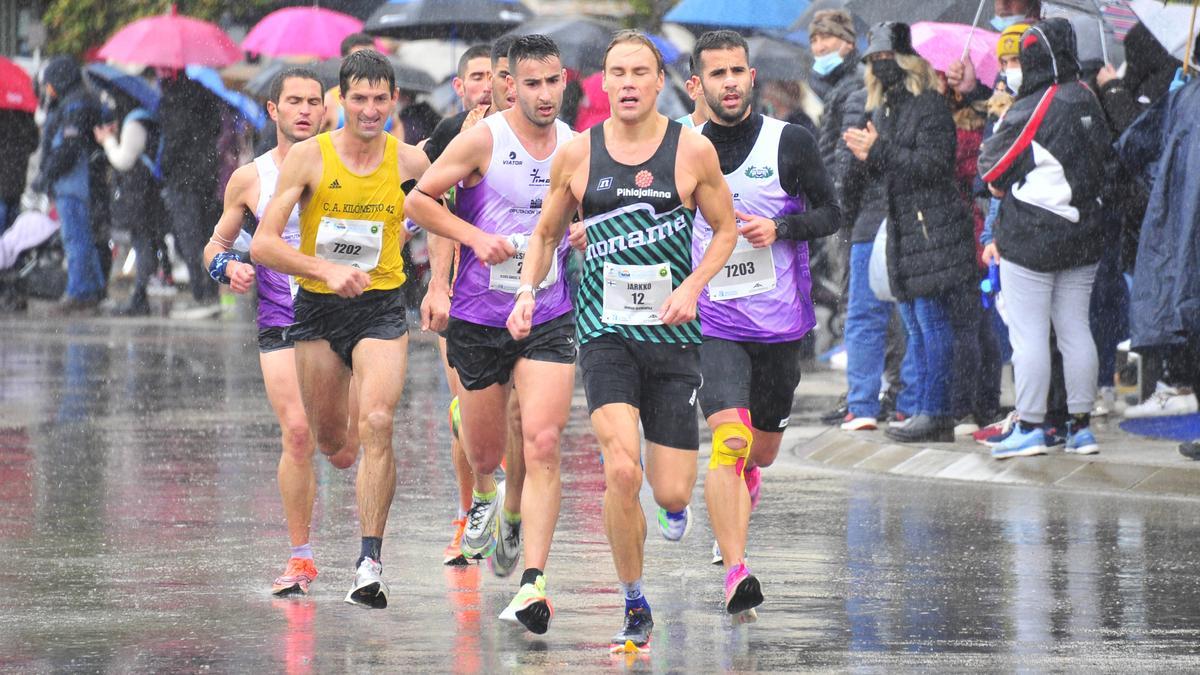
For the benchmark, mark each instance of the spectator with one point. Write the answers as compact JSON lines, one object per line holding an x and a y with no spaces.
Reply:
{"x":1046,"y":160}
{"x":961,"y":75}
{"x":67,"y":145}
{"x":909,"y":145}
{"x":21,"y":139}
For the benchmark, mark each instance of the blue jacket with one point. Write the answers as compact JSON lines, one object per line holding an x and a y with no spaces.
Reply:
{"x":67,"y":145}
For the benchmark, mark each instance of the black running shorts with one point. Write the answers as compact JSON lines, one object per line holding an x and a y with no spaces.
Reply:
{"x":658,"y":379}
{"x":755,"y":375}
{"x":343,"y":322}
{"x":270,"y":339}
{"x":485,"y":355}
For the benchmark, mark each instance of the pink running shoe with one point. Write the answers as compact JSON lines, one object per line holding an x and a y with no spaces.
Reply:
{"x":742,"y":590}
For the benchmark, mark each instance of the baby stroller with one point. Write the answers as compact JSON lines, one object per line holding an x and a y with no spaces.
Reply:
{"x":32,"y":262}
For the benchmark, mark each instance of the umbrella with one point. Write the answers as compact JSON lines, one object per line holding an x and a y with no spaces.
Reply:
{"x":16,"y":88}
{"x":871,"y":12}
{"x":777,"y":59}
{"x":765,"y":15}
{"x":259,"y":86}
{"x":581,"y":42}
{"x":106,"y":77}
{"x":301,"y":31}
{"x":171,"y":41}
{"x":407,"y":77}
{"x":1169,"y":24}
{"x":942,"y":44}
{"x":242,"y":104}
{"x":449,"y":19}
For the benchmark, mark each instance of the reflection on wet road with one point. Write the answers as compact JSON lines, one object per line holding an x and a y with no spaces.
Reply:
{"x":140,"y":527}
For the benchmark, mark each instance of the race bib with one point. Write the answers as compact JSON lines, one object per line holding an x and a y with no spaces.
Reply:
{"x":633,"y":294}
{"x":356,"y":243}
{"x":506,"y":276}
{"x":749,"y":271}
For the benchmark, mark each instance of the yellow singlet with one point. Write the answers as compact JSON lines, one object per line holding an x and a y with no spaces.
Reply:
{"x":356,"y":220}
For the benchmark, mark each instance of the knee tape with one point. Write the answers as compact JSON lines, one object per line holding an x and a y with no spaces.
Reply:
{"x":722,"y":454}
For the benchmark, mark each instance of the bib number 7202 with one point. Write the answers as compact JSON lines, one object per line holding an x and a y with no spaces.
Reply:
{"x":347,"y":249}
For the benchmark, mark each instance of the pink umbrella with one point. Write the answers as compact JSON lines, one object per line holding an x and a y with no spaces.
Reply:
{"x":942,"y":44}
{"x":301,"y":31}
{"x":171,"y":41}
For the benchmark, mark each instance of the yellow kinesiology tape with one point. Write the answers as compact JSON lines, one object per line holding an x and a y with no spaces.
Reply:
{"x":724,"y":455}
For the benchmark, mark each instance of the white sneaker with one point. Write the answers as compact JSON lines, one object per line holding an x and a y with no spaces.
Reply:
{"x":479,"y":537}
{"x":674,"y":529}
{"x":965,"y":426}
{"x":1106,"y":402}
{"x":369,"y":589}
{"x":855,"y":423}
{"x":1164,"y":402}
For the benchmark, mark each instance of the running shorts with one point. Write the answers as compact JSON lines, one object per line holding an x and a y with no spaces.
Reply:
{"x":755,"y":375}
{"x":270,"y":339}
{"x":343,"y":322}
{"x":485,"y":355}
{"x":659,"y":379}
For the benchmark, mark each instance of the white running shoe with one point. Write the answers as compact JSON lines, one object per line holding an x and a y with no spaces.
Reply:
{"x":369,"y":588}
{"x":717,"y":558}
{"x":674,"y":529}
{"x":1166,"y":401}
{"x":479,"y":537}
{"x":508,"y":544}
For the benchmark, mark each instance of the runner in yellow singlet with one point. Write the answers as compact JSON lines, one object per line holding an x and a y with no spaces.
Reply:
{"x":349,"y":313}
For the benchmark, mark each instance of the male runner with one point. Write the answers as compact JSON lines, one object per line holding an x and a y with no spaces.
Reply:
{"x":699,"y":114}
{"x":349,"y":309}
{"x":334,"y":117}
{"x":638,"y":179}
{"x":502,"y":170}
{"x":758,"y":307}
{"x":295,"y":106}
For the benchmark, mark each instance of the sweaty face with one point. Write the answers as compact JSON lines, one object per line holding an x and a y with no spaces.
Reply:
{"x":477,"y":83}
{"x":727,"y":79}
{"x":632,"y":81}
{"x":538,"y":86}
{"x":502,"y":97}
{"x":367,"y":106}
{"x":300,"y":109}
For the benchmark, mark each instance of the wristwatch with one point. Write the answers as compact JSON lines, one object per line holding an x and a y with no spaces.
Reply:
{"x":526,"y":288}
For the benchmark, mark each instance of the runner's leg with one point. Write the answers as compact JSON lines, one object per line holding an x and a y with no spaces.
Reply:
{"x":545,"y":404}
{"x":726,"y":495}
{"x":380,"y":366}
{"x":297,"y":480}
{"x":514,"y":455}
{"x":616,"y":427}
{"x":345,"y":457}
{"x":324,"y":388}
{"x":458,"y":455}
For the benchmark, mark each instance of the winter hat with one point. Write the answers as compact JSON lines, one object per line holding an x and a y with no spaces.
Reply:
{"x":889,"y":36}
{"x":62,"y":73}
{"x":835,"y":22}
{"x":1010,"y":40}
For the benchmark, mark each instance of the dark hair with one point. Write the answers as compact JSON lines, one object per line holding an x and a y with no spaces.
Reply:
{"x":717,"y":39}
{"x":635,"y":37}
{"x":356,"y":40}
{"x":368,"y":65}
{"x":533,"y":47}
{"x":471,"y":54}
{"x":289,"y":73}
{"x":500,"y":48}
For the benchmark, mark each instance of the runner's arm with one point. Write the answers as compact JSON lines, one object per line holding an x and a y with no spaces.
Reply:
{"x":435,"y":307}
{"x":300,"y":169}
{"x":803,"y":174}
{"x":229,"y":225}
{"x":715,"y":202}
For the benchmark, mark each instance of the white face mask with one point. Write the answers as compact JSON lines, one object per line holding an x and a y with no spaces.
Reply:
{"x":1012,"y":77}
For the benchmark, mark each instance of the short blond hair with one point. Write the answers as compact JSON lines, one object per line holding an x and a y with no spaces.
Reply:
{"x":630,"y":36}
{"x":919,"y":77}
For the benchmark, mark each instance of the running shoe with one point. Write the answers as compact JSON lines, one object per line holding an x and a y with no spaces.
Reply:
{"x":997,"y":431}
{"x":852,"y":422}
{"x":369,"y":588}
{"x":453,"y":553}
{"x":674,"y":527}
{"x":638,"y":624}
{"x":299,"y":573}
{"x":717,"y":558}
{"x":479,"y":537}
{"x":508,"y":545}
{"x":455,"y":418}
{"x":1021,"y":442}
{"x":753,"y":477}
{"x":742,"y":590}
{"x":530,"y":607}
{"x":1081,"y":442}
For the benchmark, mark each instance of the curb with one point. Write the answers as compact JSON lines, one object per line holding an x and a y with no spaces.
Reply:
{"x":837,"y":449}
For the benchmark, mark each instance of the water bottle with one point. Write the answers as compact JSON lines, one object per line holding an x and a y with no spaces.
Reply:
{"x":990,"y":286}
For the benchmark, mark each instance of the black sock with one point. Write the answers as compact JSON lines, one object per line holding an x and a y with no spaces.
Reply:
{"x":372,"y":547}
{"x":530,"y":576}
{"x":1027,"y":427}
{"x":1081,"y":421}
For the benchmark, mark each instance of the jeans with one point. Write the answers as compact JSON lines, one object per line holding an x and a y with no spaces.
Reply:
{"x":85,"y":281}
{"x":931,"y":342}
{"x":866,"y":342}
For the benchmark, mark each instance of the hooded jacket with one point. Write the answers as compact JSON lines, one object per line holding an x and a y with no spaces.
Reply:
{"x":1048,"y":155}
{"x":840,"y":84}
{"x":67,"y":140}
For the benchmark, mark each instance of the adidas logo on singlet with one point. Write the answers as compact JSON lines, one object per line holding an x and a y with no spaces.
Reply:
{"x":335,"y":184}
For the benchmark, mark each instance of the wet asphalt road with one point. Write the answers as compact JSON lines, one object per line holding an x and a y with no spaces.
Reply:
{"x":140,"y":528}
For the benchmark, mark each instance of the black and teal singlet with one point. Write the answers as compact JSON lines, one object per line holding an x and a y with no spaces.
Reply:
{"x":639,"y":238}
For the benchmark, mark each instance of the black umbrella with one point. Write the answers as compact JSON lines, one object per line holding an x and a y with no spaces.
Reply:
{"x":777,"y":59}
{"x":581,"y":42}
{"x":407,"y":77}
{"x":446,"y":19}
{"x":259,"y":86}
{"x":871,"y":12}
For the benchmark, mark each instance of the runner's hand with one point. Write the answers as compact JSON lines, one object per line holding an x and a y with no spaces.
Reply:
{"x":435,"y":310}
{"x":346,"y":281}
{"x":492,"y":249}
{"x":241,"y":276}
{"x":680,"y":306}
{"x":520,"y":319}
{"x":759,"y":231}
{"x":578,"y":236}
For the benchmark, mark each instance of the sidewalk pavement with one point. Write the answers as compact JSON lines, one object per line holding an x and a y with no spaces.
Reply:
{"x":1126,"y":463}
